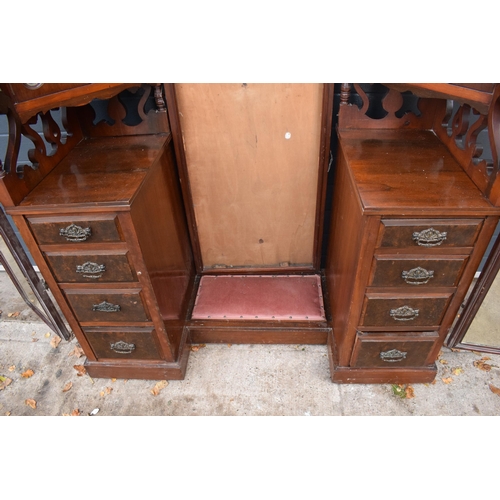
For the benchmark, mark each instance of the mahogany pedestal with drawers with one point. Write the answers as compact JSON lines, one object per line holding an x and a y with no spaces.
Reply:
{"x":409,"y":230}
{"x":94,"y":226}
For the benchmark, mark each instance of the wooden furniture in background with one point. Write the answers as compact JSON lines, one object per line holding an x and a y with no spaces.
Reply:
{"x":206,"y":224}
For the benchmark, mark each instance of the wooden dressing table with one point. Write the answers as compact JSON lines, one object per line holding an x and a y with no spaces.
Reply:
{"x":162,"y":214}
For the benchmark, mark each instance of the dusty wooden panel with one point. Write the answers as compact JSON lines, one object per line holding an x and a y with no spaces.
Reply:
{"x":252,"y":153}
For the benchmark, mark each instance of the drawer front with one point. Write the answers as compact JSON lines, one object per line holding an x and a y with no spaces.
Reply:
{"x":107,"y":305}
{"x":429,"y":233}
{"x":390,"y":270}
{"x":138,"y":343}
{"x":86,"y":268}
{"x":64,"y":230}
{"x":392,"y":351}
{"x":403,"y":311}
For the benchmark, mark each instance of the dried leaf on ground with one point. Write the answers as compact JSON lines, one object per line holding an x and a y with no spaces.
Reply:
{"x":457,"y":371}
{"x":28,"y":373}
{"x":494,"y":389}
{"x":158,"y":387}
{"x":485,"y":358}
{"x":14,"y":314}
{"x":74,"y":413}
{"x":447,"y":380}
{"x":485,"y":367}
{"x":7,"y":414}
{"x":31,"y":403}
{"x":113,"y":380}
{"x":106,"y":391}
{"x":77,"y":351}
{"x":443,"y":361}
{"x":67,"y":387}
{"x":229,"y":345}
{"x":55,"y":341}
{"x":47,"y":335}
{"x":34,"y":340}
{"x":410,"y":392}
{"x":4,"y":382}
{"x":80,"y":369}
{"x":12,"y":368}
{"x":455,"y":350}
{"x":198,"y":347}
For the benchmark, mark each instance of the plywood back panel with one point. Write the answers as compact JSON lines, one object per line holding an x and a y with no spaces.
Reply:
{"x":252,"y":155}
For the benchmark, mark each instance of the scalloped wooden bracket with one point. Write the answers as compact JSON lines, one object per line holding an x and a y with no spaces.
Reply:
{"x":354,"y":117}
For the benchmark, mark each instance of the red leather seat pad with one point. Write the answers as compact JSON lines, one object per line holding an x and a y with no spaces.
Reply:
{"x":289,"y":297}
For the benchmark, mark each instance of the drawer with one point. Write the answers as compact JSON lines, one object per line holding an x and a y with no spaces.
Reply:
{"x":97,"y":267}
{"x":404,"y":310}
{"x":428,"y":233}
{"x":107,"y":306}
{"x":129,"y":343}
{"x":415,"y":271}
{"x":389,"y":350}
{"x":78,"y":229}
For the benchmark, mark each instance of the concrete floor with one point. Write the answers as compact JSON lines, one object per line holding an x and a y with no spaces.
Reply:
{"x":222,"y":380}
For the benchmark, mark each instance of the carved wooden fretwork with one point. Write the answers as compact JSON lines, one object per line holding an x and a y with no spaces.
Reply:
{"x":460,"y":128}
{"x":54,"y":136}
{"x":137,"y":110}
{"x":457,"y":124}
{"x":14,"y":124}
{"x":376,"y":106}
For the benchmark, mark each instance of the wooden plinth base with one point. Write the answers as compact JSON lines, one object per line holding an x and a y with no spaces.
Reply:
{"x":161,"y":370}
{"x":241,"y":335}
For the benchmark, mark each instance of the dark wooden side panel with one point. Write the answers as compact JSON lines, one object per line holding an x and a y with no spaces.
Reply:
{"x":349,"y":235}
{"x":160,"y":224}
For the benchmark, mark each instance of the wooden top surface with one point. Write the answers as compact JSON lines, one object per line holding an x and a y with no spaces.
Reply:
{"x":409,"y":172}
{"x":99,"y":171}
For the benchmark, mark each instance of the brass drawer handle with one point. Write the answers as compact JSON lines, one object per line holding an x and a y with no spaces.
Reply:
{"x":76,"y":233}
{"x":417,"y":276}
{"x":429,"y":237}
{"x":106,"y":307}
{"x":122,"y":347}
{"x":404,"y":313}
{"x":393,"y":356}
{"x":91,"y":270}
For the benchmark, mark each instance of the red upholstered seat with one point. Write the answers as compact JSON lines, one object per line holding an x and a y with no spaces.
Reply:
{"x":292,"y":298}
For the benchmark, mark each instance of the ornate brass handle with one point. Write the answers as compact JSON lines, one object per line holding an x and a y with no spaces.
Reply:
{"x":417,"y":276}
{"x":91,"y":269}
{"x":404,"y":313}
{"x":76,"y":233}
{"x":393,"y":356}
{"x":122,"y":347}
{"x":106,"y":307}
{"x":429,"y":237}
